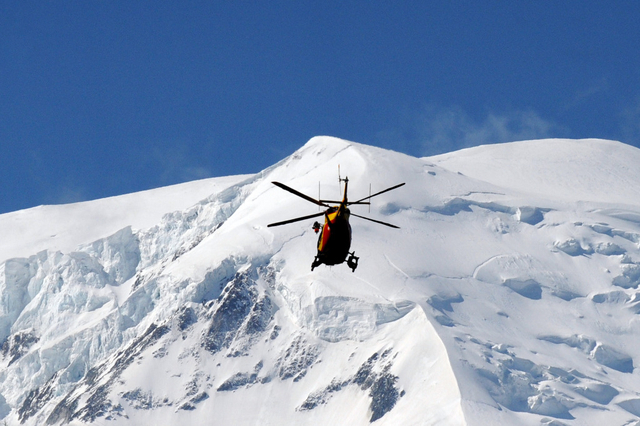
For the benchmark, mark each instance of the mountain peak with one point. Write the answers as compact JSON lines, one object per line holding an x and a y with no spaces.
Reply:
{"x":507,"y":296}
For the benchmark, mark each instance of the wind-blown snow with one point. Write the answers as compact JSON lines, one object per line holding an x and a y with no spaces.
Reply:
{"x":508,"y":296}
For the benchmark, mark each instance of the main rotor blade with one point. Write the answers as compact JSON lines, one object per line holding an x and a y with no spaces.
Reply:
{"x":299,"y":194}
{"x":377,"y":193}
{"x":284,"y":222}
{"x":339,"y":202}
{"x":376,"y":221}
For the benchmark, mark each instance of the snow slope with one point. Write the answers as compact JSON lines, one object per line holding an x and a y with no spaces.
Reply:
{"x":64,"y":227}
{"x":570,"y":170}
{"x":508,"y":296}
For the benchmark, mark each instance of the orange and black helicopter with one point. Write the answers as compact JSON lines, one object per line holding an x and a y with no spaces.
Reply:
{"x":335,"y":236}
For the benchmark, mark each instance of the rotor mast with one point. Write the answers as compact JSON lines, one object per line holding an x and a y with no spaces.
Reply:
{"x":346,"y":183}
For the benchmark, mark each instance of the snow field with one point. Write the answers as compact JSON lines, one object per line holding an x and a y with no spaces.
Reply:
{"x":508,"y":296}
{"x":64,"y":227}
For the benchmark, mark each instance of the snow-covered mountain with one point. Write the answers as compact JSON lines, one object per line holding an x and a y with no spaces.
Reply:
{"x":509,"y":296}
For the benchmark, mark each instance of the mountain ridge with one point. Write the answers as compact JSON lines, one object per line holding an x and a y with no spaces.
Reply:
{"x":542,"y":167}
{"x":493,"y":304}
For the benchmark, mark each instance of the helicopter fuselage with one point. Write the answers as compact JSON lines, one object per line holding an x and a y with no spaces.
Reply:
{"x":334,"y":241}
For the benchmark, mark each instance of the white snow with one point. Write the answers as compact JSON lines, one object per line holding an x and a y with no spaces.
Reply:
{"x":569,"y":170}
{"x":508,"y":297}
{"x":64,"y":227}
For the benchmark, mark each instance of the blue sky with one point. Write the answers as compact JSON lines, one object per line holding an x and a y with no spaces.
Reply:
{"x":100,"y":98}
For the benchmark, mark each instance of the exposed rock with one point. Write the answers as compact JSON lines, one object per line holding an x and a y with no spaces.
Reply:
{"x":297,"y":359}
{"x":36,"y":399}
{"x":373,"y":376}
{"x":17,"y":345}
{"x":230,"y":312}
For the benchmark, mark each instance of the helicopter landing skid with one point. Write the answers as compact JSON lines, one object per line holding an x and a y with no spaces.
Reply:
{"x":352,"y":261}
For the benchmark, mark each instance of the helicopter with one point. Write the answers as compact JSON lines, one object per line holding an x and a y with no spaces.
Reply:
{"x":334,"y":240}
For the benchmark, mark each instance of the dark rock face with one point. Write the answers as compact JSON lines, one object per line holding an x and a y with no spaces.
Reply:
{"x":364,"y":377}
{"x":297,"y":359}
{"x":384,"y":395}
{"x":240,"y":380}
{"x":232,"y":308}
{"x":322,"y":397}
{"x":17,"y":345}
{"x":139,"y":399}
{"x":237,"y":381}
{"x":381,"y":385}
{"x":186,"y":318}
{"x":373,"y":376}
{"x":36,"y":399}
{"x":239,"y":316}
{"x":191,"y":404}
{"x":260,"y":317}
